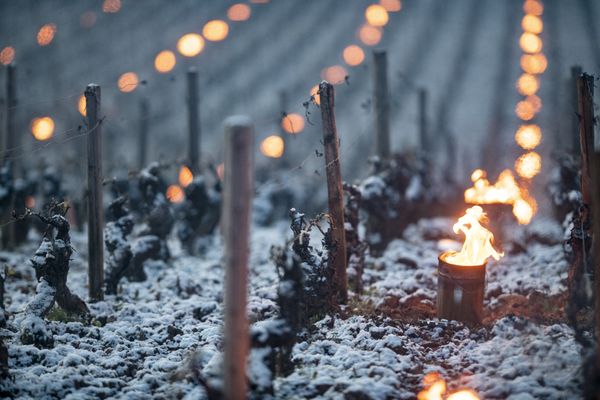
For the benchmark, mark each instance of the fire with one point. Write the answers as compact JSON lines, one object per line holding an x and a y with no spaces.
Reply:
{"x":292,"y":123}
{"x":369,"y":35}
{"x":165,"y":61}
{"x":111,"y":6}
{"x":391,"y":5}
{"x":435,"y":388}
{"x":532,"y":24}
{"x":190,"y":44}
{"x":128,"y":82}
{"x":175,"y":194}
{"x":528,"y":165}
{"x":504,"y":191}
{"x":528,"y":84}
{"x":272,"y":146}
{"x":376,"y":15}
{"x":46,"y":34}
{"x":215,"y":30}
{"x":530,"y":43}
{"x":185,"y":176}
{"x":7,"y":55}
{"x":81,"y":105}
{"x":334,"y":74}
{"x":314,"y":92}
{"x":239,"y":12}
{"x":42,"y":128}
{"x":353,"y":55}
{"x":534,"y":63}
{"x":528,"y":136}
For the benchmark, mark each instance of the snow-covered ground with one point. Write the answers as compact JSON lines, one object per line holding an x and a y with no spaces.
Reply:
{"x":142,"y":341}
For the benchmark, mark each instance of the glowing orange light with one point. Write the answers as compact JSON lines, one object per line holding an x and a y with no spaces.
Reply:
{"x":528,"y":136}
{"x":525,"y":110}
{"x":7,"y":55}
{"x":42,"y":128}
{"x":463,"y":395}
{"x":272,"y":146}
{"x":532,"y":24}
{"x":81,"y":105}
{"x":435,"y":388}
{"x":175,"y":194}
{"x":535,"y":102}
{"x":190,"y":44}
{"x":292,"y":123}
{"x":128,"y":82}
{"x":533,"y":7}
{"x":165,"y":61}
{"x":534,"y":63}
{"x":370,"y":35}
{"x":221,"y":171}
{"x":215,"y":30}
{"x":353,"y":55}
{"x":111,"y":6}
{"x":391,"y":5}
{"x":335,"y":74}
{"x":30,"y":202}
{"x":528,"y":165}
{"x":314,"y":92}
{"x":185,"y":176}
{"x":530,"y":43}
{"x":46,"y":34}
{"x":376,"y":15}
{"x":87,"y":19}
{"x":239,"y":12}
{"x":528,"y":84}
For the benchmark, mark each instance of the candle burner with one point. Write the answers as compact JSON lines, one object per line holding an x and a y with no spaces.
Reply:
{"x":461,"y":290}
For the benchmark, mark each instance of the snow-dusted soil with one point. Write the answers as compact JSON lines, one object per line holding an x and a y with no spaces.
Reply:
{"x":141,"y":342}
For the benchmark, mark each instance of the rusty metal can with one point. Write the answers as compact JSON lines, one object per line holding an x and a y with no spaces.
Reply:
{"x":461,"y":289}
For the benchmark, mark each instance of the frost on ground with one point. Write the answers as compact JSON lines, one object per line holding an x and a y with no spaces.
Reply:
{"x":142,"y":341}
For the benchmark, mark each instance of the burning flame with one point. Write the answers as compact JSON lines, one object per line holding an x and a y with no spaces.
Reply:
{"x":239,"y":12}
{"x":185,"y":176}
{"x":165,"y":61}
{"x":292,"y":123}
{"x":528,"y":165}
{"x":376,"y":15}
{"x":7,"y":55}
{"x":353,"y":55}
{"x":504,"y":191}
{"x":175,"y":194}
{"x":435,"y":388}
{"x":190,"y":44}
{"x":477,"y":247}
{"x":369,"y":35}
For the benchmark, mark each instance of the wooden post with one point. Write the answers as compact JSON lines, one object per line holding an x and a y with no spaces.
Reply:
{"x":8,"y":146}
{"x":143,"y":138}
{"x":193,"y":120}
{"x":334,"y":188}
{"x":94,"y":199}
{"x":585,"y":95}
{"x":574,"y":141}
{"x":381,"y":104}
{"x":237,"y":204}
{"x":424,"y":140}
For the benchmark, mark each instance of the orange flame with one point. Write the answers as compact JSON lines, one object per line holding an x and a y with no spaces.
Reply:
{"x":435,"y":388}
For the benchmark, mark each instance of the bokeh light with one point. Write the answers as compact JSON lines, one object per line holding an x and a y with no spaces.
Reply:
{"x":221,"y":171}
{"x":42,"y":128}
{"x":530,"y":43}
{"x":111,"y":6}
{"x":81,"y":105}
{"x":334,"y":74}
{"x":272,"y":146}
{"x":528,"y":165}
{"x":175,"y":194}
{"x":370,"y":35}
{"x":314,"y":92}
{"x":215,"y":30}
{"x":128,"y":82}
{"x":533,"y":7}
{"x":165,"y":61}
{"x":528,"y":136}
{"x":239,"y":12}
{"x":528,"y":84}
{"x":353,"y":55}
{"x":87,"y":19}
{"x":46,"y":34}
{"x":190,"y":44}
{"x":532,"y":24}
{"x":185,"y":176}
{"x":391,"y":5}
{"x":535,"y":102}
{"x":7,"y":55}
{"x":534,"y":63}
{"x":293,"y":123}
{"x":376,"y":15}
{"x":525,"y":110}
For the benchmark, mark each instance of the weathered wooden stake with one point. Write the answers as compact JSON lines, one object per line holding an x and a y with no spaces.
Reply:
{"x":424,"y":140}
{"x":193,"y":120}
{"x":334,"y":188}
{"x":585,"y":95}
{"x":10,"y":142}
{"x":143,"y":138}
{"x":576,"y":72}
{"x":94,"y":199}
{"x":381,"y":104}
{"x":238,"y":189}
